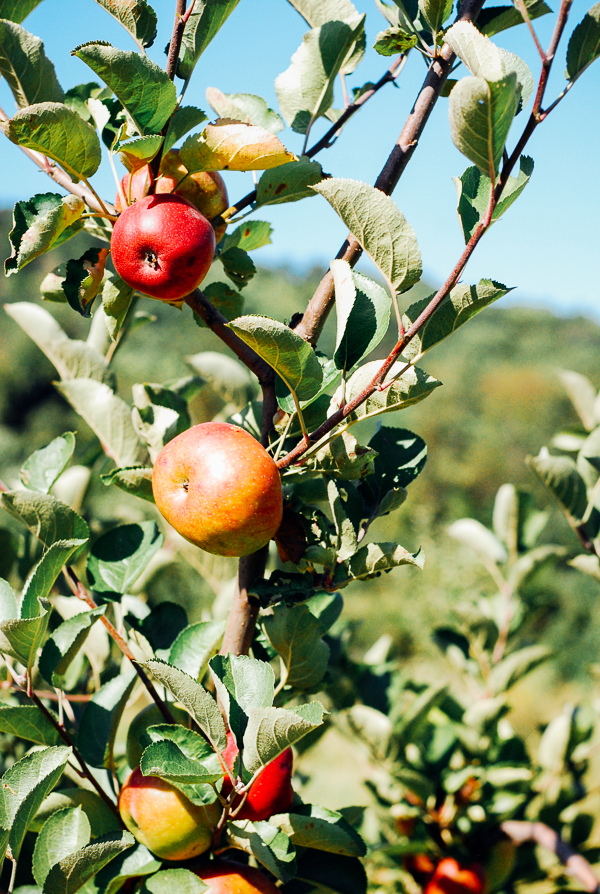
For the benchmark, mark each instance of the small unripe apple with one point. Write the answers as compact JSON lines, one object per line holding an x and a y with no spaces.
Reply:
{"x":228,"y":877}
{"x":163,"y":247}
{"x":219,"y":488}
{"x":204,"y":189}
{"x":270,"y":793}
{"x":160,"y":817}
{"x":452,"y":878}
{"x":137,"y":736}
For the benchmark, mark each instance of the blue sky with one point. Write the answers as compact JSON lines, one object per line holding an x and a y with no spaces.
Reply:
{"x":547,"y":243}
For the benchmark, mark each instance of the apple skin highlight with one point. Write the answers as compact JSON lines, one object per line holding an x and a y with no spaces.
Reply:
{"x":219,"y":488}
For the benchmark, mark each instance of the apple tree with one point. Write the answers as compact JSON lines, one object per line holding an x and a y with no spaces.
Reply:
{"x":200,"y":797}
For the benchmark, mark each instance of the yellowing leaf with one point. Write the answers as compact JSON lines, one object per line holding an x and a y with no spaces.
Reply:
{"x":230,"y":145}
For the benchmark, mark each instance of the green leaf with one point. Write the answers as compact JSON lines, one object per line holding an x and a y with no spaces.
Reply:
{"x":58,"y":132}
{"x":46,"y":517}
{"x":560,"y":475}
{"x":267,"y":844}
{"x":107,"y":415}
{"x":305,"y":90}
{"x":242,"y":683}
{"x":400,"y":457}
{"x":136,"y":16}
{"x":481,"y":56}
{"x":346,"y":517}
{"x":513,"y":63}
{"x":22,"y":638}
{"x":473,"y":191}
{"x":394,"y":40}
{"x":38,"y":225}
{"x":412,"y":386}
{"x":43,"y":467}
{"x":24,"y":786}
{"x":184,"y":119}
{"x":363,"y":314}
{"x":73,"y":871}
{"x":343,"y":457}
{"x":379,"y":227}
{"x":100,"y":816}
{"x":118,"y":557}
{"x":249,"y":236}
{"x":195,"y":645}
{"x":435,"y":12}
{"x":73,"y":359}
{"x":494,"y":19}
{"x":17,"y":10}
{"x":23,"y":62}
{"x":174,"y":881}
{"x":225,"y":299}
{"x":83,"y":280}
{"x":584,"y":44}
{"x":28,"y":722}
{"x":238,"y":265}
{"x":244,"y":107}
{"x":515,"y":666}
{"x":64,"y":644}
{"x":372,"y":559}
{"x":101,"y":717}
{"x":141,"y":86}
{"x":332,"y":873}
{"x":289,"y":183}
{"x":226,"y":376}
{"x":136,"y":480}
{"x":43,"y":577}
{"x":292,"y":358}
{"x":481,"y":113}
{"x":456,"y":309}
{"x":271,"y":730}
{"x":166,"y":760}
{"x":317,"y":13}
{"x":159,"y":415}
{"x":195,"y":699}
{"x":138,"y":151}
{"x":202,"y":25}
{"x":65,"y":832}
{"x":477,"y":537}
{"x":295,"y":634}
{"x":582,"y":395}
{"x":325,"y":830}
{"x":116,"y":300}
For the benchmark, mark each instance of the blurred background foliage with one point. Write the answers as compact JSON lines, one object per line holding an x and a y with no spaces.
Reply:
{"x":501,"y":401}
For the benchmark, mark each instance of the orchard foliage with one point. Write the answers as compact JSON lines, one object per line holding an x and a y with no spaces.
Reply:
{"x":453,"y":779}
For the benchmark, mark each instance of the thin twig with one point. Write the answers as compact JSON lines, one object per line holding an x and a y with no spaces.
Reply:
{"x":521,"y":6}
{"x":80,"y":591}
{"x":521,"y":832}
{"x":327,"y":139}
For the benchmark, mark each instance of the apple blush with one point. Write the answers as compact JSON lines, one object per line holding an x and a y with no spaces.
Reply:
{"x":163,"y":247}
{"x":270,"y":793}
{"x":219,"y":488}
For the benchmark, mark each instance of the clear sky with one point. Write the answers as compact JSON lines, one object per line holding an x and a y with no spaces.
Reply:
{"x":547,"y":244}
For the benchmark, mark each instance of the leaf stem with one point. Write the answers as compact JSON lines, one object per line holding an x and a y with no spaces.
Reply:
{"x":522,"y":7}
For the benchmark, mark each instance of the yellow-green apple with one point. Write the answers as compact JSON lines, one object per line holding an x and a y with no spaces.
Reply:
{"x":137,"y":735}
{"x":270,"y":793}
{"x":219,"y":488}
{"x":228,"y":877}
{"x":204,"y":189}
{"x":450,"y":877}
{"x":163,"y":247}
{"x":164,"y":820}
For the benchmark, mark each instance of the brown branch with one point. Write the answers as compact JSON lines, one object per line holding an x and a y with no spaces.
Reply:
{"x":521,"y":832}
{"x":176,"y":38}
{"x":85,"y":771}
{"x":80,"y":591}
{"x":451,"y":281}
{"x":244,"y":609}
{"x":216,"y":322}
{"x":326,"y":140}
{"x":319,"y":306}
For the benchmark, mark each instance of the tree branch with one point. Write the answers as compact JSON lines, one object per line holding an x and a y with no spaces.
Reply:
{"x":319,"y":306}
{"x":521,"y":832}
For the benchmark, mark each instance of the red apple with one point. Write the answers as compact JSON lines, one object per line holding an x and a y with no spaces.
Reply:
{"x":271,"y":792}
{"x":228,"y":877}
{"x":138,"y":738}
{"x":452,"y":878}
{"x":204,"y":189}
{"x":219,"y":488}
{"x":163,"y":247}
{"x":164,"y":820}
